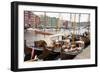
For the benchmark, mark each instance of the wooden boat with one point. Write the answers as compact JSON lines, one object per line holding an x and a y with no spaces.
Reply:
{"x":72,"y":51}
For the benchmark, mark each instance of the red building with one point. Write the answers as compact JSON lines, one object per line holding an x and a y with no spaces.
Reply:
{"x":37,"y":21}
{"x":30,"y":19}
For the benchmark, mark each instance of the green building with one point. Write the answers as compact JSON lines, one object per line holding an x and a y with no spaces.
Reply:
{"x":53,"y":21}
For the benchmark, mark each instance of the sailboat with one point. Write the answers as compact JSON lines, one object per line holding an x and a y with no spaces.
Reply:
{"x":75,"y":47}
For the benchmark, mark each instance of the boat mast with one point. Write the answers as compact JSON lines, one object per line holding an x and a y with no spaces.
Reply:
{"x":58,"y":23}
{"x":88,"y":22}
{"x":44,"y":22}
{"x":74,"y":27}
{"x":79,"y":24}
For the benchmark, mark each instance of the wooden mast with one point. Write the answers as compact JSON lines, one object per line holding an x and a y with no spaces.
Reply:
{"x":88,"y":21}
{"x":67,"y":33}
{"x":58,"y":23}
{"x":79,"y":24}
{"x":44,"y":22}
{"x":73,"y":34}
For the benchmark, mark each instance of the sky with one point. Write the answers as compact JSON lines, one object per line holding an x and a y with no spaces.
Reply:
{"x":67,"y":16}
